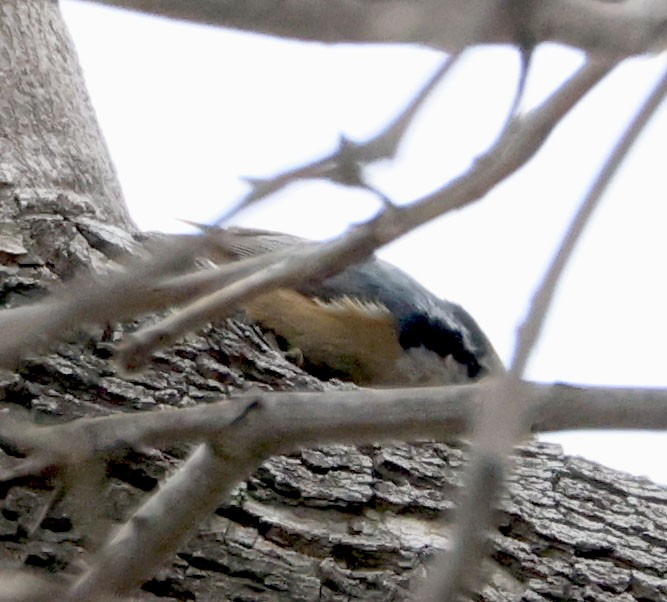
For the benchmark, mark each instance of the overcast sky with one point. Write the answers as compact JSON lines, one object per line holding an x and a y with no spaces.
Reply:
{"x":188,"y":111}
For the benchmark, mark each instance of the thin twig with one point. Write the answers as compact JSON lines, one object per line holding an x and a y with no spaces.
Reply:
{"x":344,"y":164}
{"x":503,"y":421}
{"x":504,"y":416}
{"x":530,"y":330}
{"x":122,"y":295}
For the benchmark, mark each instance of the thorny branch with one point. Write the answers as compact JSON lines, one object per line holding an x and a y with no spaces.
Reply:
{"x":344,"y":165}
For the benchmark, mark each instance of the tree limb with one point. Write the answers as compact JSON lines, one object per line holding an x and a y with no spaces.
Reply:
{"x":614,"y":29}
{"x":356,"y":416}
{"x":273,"y":423}
{"x":503,"y":415}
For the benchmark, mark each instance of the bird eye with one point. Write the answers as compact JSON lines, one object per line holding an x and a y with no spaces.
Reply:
{"x":420,"y":330}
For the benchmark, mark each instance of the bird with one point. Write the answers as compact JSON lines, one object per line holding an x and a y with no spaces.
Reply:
{"x":372,"y":323}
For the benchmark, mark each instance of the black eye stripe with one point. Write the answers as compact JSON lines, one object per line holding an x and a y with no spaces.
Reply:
{"x":418,"y":330}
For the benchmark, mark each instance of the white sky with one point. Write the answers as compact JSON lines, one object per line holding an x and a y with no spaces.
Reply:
{"x":187,"y":111}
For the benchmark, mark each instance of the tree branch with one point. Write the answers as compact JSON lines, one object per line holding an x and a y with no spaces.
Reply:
{"x":451,"y":24}
{"x":520,"y":141}
{"x":244,"y":432}
{"x":614,"y":29}
{"x":503,"y":415}
{"x":120,"y":296}
{"x":311,"y":418}
{"x":530,"y":330}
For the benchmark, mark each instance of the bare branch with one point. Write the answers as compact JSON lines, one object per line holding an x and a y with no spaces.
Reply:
{"x":521,"y":139}
{"x":457,"y":569}
{"x":519,"y":142}
{"x":246,"y":431}
{"x":614,"y":29}
{"x":451,"y":24}
{"x":155,"y":531}
{"x":502,"y":422}
{"x":119,"y":296}
{"x":504,"y":416}
{"x":530,"y":330}
{"x":308,"y":418}
{"x":349,"y":156}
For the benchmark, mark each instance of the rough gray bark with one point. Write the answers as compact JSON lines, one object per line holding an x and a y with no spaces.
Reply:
{"x":336,"y":523}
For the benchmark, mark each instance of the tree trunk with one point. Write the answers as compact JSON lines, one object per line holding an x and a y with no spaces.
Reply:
{"x":50,"y":142}
{"x":337,"y":523}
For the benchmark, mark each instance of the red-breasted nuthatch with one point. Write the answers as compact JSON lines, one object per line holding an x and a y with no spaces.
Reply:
{"x":371,"y":323}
